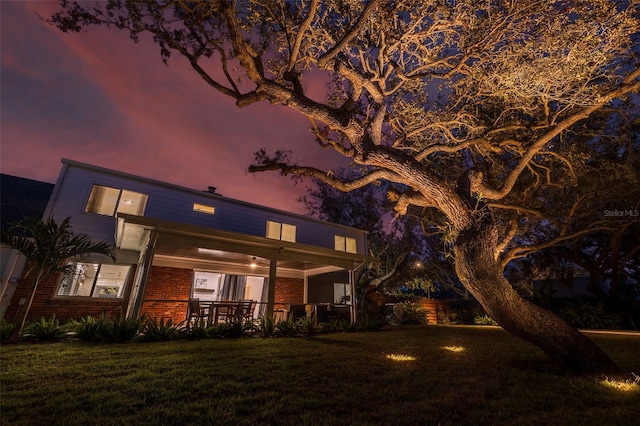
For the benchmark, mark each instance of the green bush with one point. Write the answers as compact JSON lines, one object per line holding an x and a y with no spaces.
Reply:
{"x":461,"y":312}
{"x":89,"y":328}
{"x":587,"y":314}
{"x":306,"y":326}
{"x":159,"y":331}
{"x":196,"y":331}
{"x":484,"y":320}
{"x":413,"y":313}
{"x":266,"y":327}
{"x":235,"y":328}
{"x":369,"y":322}
{"x":287,"y":328}
{"x":46,"y":329}
{"x":120,"y":330}
{"x":6,"y":330}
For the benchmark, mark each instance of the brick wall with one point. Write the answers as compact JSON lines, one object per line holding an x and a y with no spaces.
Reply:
{"x":289,"y":290}
{"x":167,"y":293}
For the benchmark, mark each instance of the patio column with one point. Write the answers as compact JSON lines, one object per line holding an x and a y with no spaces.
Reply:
{"x":352,"y":274}
{"x":271,"y":292}
{"x":142,"y":273}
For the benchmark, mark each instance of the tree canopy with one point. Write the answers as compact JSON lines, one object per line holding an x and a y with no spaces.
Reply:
{"x":468,"y":105}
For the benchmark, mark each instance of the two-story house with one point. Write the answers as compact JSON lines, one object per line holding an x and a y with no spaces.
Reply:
{"x":174,"y":244}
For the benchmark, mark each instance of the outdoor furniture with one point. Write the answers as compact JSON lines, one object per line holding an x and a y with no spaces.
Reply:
{"x":224,"y":310}
{"x":197,"y":312}
{"x":297,"y":311}
{"x":321,"y":313}
{"x":246,"y":309}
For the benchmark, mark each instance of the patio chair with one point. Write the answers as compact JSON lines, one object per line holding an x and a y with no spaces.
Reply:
{"x":297,"y":311}
{"x":246,"y":309}
{"x":226,"y":310}
{"x":196,"y":312}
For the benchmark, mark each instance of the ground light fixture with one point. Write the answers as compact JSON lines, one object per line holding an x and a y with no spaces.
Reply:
{"x":401,"y":357}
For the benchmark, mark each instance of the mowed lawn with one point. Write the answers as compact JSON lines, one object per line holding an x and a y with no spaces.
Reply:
{"x":412,"y":375}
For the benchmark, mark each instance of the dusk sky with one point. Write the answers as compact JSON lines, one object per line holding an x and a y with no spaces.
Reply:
{"x":98,"y":98}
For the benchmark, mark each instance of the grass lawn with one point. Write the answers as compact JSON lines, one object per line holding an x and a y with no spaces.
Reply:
{"x":446,"y":376}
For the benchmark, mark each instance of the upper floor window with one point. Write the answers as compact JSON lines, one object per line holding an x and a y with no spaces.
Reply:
{"x":202,"y":208}
{"x":109,"y":201}
{"x":347,"y":244}
{"x":281,"y":231}
{"x":95,"y":280}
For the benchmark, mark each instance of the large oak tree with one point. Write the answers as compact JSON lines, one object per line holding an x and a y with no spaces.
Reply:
{"x":465,"y":103}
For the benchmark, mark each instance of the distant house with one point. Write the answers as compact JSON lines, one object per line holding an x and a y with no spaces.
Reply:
{"x":19,"y":198}
{"x":175,"y":244}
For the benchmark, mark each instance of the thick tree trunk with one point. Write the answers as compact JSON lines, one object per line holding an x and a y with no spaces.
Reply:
{"x":480,"y":272}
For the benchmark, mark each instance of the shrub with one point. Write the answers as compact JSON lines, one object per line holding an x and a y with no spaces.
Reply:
{"x":196,"y":331}
{"x":6,"y":330}
{"x":484,"y":320}
{"x":46,"y":329}
{"x":235,"y":328}
{"x":120,"y":330}
{"x":287,"y":328}
{"x":462,"y":312}
{"x":587,"y":314}
{"x":413,"y":313}
{"x":159,"y":331}
{"x":306,"y":326}
{"x":266,"y":327}
{"x":369,"y":322}
{"x":89,"y":328}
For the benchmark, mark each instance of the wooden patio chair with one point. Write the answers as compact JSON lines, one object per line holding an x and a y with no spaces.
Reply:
{"x":196,"y":312}
{"x":226,"y":310}
{"x":246,"y":309}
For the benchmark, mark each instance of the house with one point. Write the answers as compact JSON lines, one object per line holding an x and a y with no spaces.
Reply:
{"x":175,"y":244}
{"x":19,"y":198}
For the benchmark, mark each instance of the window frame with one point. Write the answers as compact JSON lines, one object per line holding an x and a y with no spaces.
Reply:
{"x":117,"y":207}
{"x":282,"y":230}
{"x":72,"y":281}
{"x":343,"y":243}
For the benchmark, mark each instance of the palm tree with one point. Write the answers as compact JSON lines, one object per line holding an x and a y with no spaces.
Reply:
{"x":47,"y":245}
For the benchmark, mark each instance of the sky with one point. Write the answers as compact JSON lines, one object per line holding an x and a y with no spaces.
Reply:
{"x":98,"y":98}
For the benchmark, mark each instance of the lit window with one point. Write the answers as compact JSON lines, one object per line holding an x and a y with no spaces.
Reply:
{"x":281,"y":231}
{"x":203,"y":209}
{"x":95,"y":280}
{"x":107,"y":201}
{"x":347,"y":244}
{"x":341,"y":293}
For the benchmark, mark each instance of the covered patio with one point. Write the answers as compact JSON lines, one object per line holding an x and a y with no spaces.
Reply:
{"x":179,"y":263}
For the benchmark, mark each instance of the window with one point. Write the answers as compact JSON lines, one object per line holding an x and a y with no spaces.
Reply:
{"x":341,"y":293}
{"x":95,"y":280}
{"x":347,"y":244}
{"x":203,"y":209}
{"x":281,"y":231}
{"x":109,"y":201}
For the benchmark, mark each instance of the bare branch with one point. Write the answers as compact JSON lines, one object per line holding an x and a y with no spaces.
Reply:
{"x":327,"y":177}
{"x":350,"y":34}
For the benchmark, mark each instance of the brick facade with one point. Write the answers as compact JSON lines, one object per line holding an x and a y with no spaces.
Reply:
{"x":289,"y":290}
{"x":167,"y":293}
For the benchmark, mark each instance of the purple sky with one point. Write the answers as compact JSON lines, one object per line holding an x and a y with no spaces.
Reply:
{"x":98,"y":98}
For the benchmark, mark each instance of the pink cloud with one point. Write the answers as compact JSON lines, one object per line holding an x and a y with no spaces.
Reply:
{"x":159,"y":122}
